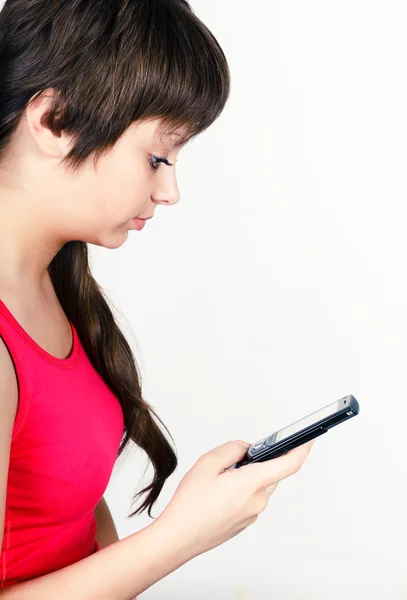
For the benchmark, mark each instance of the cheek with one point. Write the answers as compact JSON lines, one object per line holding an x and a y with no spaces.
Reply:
{"x":123,"y":187}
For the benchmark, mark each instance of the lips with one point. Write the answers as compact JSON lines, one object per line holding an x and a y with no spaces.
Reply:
{"x":139,"y":223}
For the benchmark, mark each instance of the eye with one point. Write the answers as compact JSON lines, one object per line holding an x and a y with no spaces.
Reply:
{"x":156,"y":160}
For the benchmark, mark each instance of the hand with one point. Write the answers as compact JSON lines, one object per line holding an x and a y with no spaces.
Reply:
{"x":212,"y":505}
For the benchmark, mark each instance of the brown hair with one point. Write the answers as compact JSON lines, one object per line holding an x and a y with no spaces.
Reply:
{"x":110,"y":63}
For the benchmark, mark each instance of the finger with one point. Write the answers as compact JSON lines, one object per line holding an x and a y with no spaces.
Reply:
{"x":269,"y":472}
{"x":270,"y":490}
{"x":226,"y":455}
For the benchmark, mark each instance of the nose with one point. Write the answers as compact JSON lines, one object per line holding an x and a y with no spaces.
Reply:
{"x":166,"y":191}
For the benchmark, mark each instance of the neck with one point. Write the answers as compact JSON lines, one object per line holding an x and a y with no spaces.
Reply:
{"x":26,"y":247}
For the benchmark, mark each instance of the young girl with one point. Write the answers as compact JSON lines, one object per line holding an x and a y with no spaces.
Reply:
{"x":96,"y":101}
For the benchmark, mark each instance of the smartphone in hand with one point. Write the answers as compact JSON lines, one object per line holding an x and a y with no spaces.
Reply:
{"x":301,"y":431}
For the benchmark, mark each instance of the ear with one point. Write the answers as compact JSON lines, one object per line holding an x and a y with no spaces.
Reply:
{"x":51,"y":144}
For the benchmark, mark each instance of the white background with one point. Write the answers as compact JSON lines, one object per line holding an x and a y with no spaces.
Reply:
{"x":278,"y":285}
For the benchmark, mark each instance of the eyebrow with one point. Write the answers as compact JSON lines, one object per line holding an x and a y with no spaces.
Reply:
{"x":181,"y":139}
{"x":166,"y":136}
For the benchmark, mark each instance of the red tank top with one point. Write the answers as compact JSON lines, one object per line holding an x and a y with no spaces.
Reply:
{"x":66,"y":438}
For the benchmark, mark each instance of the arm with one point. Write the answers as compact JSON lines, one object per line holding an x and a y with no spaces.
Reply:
{"x":8,"y":409}
{"x":120,"y":571}
{"x":106,"y":532}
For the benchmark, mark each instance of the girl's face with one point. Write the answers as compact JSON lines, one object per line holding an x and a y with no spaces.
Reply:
{"x":97,"y":204}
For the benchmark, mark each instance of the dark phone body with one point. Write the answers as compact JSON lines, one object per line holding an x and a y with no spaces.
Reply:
{"x":302,"y":431}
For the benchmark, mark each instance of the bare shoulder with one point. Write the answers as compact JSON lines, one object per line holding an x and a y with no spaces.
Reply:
{"x":8,"y":387}
{"x":8,"y":409}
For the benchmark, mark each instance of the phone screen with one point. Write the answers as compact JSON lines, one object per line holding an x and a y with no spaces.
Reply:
{"x":306,"y":421}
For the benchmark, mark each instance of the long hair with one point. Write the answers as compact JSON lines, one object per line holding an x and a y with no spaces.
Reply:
{"x":110,"y":63}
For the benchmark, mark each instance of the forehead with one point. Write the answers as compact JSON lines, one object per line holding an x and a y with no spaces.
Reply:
{"x":158,"y":134}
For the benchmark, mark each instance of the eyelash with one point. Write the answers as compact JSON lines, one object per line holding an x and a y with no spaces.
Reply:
{"x":156,"y":160}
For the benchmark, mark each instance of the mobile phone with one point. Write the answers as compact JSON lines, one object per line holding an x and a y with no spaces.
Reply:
{"x":301,"y":431}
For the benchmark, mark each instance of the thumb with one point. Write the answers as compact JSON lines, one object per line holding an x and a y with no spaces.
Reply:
{"x":228,"y":454}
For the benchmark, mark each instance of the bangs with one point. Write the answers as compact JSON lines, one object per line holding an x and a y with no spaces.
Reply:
{"x":186,"y":78}
{"x":148,"y":59}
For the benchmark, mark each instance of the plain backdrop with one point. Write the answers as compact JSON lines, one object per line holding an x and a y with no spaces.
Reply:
{"x":276,"y":286}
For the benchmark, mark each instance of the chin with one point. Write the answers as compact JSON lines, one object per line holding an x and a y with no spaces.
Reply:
{"x":112,"y":242}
